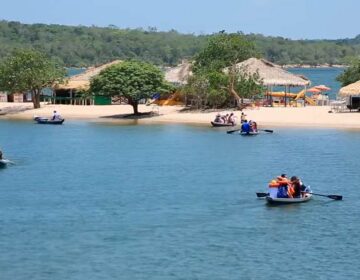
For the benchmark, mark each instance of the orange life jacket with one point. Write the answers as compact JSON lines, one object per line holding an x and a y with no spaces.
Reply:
{"x":274,"y":184}
{"x":291,"y":191}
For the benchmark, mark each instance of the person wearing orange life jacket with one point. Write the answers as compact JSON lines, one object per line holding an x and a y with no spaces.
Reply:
{"x":283,"y":186}
{"x":273,"y":188}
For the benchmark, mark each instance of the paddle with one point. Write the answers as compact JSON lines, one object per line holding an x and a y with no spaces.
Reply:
{"x":232,"y":131}
{"x":266,"y":130}
{"x":261,"y":194}
{"x":332,"y":196}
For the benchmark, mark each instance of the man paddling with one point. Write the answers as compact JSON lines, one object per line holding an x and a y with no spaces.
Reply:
{"x":245,"y":127}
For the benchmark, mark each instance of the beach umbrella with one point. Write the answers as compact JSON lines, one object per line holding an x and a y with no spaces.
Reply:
{"x":314,"y":90}
{"x":322,"y":88}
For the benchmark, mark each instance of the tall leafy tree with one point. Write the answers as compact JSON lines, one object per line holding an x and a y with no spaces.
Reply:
{"x":29,"y":71}
{"x":351,"y":74}
{"x":132,"y":80}
{"x":218,"y":63}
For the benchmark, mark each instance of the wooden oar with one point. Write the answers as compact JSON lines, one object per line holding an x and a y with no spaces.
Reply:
{"x":266,"y":130}
{"x":232,"y":131}
{"x":261,"y":194}
{"x":332,"y":196}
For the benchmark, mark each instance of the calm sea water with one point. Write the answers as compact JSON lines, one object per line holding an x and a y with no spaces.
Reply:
{"x":321,"y":76}
{"x":101,"y":201}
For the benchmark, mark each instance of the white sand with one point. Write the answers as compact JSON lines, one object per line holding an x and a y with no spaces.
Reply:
{"x":290,"y":117}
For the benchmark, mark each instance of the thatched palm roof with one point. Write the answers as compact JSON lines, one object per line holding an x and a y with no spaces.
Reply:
{"x":178,"y":74}
{"x":82,"y":81}
{"x":272,"y":74}
{"x":352,"y":89}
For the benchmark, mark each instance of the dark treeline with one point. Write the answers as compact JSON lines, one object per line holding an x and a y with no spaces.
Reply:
{"x":84,"y":46}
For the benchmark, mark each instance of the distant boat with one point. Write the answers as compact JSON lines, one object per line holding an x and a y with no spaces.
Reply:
{"x":42,"y":120}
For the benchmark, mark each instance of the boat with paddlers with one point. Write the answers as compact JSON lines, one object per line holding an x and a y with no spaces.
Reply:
{"x":42,"y":120}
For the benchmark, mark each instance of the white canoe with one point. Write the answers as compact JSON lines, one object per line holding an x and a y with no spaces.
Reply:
{"x":306,"y":198}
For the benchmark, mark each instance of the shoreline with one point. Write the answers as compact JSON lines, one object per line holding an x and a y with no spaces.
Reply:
{"x":304,"y":117}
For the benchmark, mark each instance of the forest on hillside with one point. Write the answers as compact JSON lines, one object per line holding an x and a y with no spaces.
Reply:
{"x":81,"y":46}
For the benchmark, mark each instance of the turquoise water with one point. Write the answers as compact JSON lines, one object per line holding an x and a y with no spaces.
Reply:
{"x":101,"y":201}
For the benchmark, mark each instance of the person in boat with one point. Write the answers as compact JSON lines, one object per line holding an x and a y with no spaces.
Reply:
{"x":283,"y":186}
{"x":296,"y":187}
{"x":56,"y":116}
{"x":245,"y":127}
{"x":1,"y":155}
{"x":231,"y":119}
{"x":225,"y":118}
{"x":218,"y":119}
{"x":243,"y":117}
{"x":254,"y":126}
{"x":273,"y":188}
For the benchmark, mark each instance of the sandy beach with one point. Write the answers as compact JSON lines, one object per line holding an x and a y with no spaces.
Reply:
{"x":311,"y":116}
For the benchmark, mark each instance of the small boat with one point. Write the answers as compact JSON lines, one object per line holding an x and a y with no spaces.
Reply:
{"x":252,"y":133}
{"x":42,"y":120}
{"x":276,"y":201}
{"x":217,"y":124}
{"x":3,"y":163}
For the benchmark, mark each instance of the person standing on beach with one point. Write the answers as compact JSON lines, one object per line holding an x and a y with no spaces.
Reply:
{"x":243,"y":117}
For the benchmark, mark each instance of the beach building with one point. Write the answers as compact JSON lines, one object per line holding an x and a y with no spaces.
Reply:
{"x":274,"y":76}
{"x":73,"y":91}
{"x":351,"y":94}
{"x":177,"y":76}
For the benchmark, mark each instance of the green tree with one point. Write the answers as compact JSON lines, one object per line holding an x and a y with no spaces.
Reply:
{"x":29,"y":71}
{"x":351,"y":74}
{"x":224,"y":50}
{"x":130,"y":79}
{"x":217,"y":63}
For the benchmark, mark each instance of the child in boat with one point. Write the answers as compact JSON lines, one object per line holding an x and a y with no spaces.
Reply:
{"x":254,"y":127}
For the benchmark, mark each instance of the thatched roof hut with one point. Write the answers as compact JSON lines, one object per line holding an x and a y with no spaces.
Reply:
{"x":82,"y":81}
{"x":350,"y":90}
{"x":178,"y":74}
{"x":272,"y":74}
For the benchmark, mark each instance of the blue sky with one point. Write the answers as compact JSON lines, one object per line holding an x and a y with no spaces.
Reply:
{"x":296,"y":19}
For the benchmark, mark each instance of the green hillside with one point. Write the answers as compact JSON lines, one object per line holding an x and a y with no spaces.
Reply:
{"x":84,"y":46}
